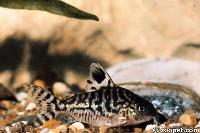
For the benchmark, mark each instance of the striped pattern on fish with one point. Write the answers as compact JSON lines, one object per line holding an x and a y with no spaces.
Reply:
{"x":107,"y":105}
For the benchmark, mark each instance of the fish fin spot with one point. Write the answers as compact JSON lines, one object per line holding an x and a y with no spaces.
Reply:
{"x":99,"y":77}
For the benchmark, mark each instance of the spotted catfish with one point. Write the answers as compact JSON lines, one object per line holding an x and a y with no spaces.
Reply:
{"x":105,"y":105}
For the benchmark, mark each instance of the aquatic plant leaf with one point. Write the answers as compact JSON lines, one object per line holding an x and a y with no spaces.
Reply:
{"x":57,"y":7}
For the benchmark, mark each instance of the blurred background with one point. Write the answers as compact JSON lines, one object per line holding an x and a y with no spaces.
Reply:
{"x":39,"y":45}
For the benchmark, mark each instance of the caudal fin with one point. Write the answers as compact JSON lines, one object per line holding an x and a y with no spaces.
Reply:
{"x":49,"y":105}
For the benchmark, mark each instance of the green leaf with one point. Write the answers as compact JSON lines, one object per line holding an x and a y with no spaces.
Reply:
{"x":53,"y":6}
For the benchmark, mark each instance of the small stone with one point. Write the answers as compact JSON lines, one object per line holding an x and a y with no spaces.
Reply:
{"x":75,"y":127}
{"x":40,"y":83}
{"x":188,"y":118}
{"x":162,"y":125}
{"x":60,"y":129}
{"x":6,"y":104}
{"x":149,"y":131}
{"x":60,"y":89}
{"x":137,"y":130}
{"x":16,"y":127}
{"x":51,"y":124}
{"x":45,"y":130}
{"x":150,"y":128}
{"x":198,"y":125}
{"x":78,"y":125}
{"x":103,"y":129}
{"x":31,"y":106}
{"x":20,"y":113}
{"x":7,"y":129}
{"x":72,"y":129}
{"x":171,"y":125}
{"x":21,"y":96}
{"x":4,"y":122}
{"x":84,"y":131}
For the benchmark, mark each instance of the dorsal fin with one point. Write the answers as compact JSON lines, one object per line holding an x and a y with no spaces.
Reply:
{"x":98,"y":77}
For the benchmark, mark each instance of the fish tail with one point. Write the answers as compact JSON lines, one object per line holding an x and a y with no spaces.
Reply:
{"x":48,"y":104}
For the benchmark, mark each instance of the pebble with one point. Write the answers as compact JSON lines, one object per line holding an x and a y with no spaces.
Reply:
{"x":51,"y":124}
{"x":137,"y":130}
{"x":175,"y":125}
{"x":21,"y":96}
{"x":60,"y":129}
{"x":75,"y":127}
{"x":40,"y":83}
{"x":20,"y":113}
{"x":162,"y":126}
{"x":16,"y":127}
{"x":6,"y":104}
{"x":103,"y":129}
{"x":198,"y":125}
{"x":60,"y":89}
{"x":4,"y":122}
{"x":45,"y":130}
{"x":149,"y":127}
{"x":188,"y":118}
{"x":31,"y":106}
{"x":84,"y":131}
{"x":7,"y":129}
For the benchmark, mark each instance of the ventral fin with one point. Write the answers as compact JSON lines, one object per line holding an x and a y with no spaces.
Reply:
{"x":99,"y":77}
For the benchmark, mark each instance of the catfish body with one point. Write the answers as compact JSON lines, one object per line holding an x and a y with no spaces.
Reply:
{"x":107,"y":105}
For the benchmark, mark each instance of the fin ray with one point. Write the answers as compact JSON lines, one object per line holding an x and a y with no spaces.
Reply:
{"x":98,"y":77}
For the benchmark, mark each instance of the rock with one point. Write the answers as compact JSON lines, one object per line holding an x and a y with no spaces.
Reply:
{"x":84,"y":131}
{"x":198,"y":125}
{"x":159,"y":70}
{"x":21,"y":76}
{"x":153,"y":23}
{"x":103,"y":129}
{"x":45,"y":130}
{"x":137,"y":130}
{"x":149,"y":131}
{"x":51,"y":124}
{"x":188,"y":51}
{"x":30,"y":119}
{"x":16,"y":127}
{"x":78,"y":125}
{"x":21,"y":96}
{"x":5,"y":77}
{"x":60,"y":129}
{"x":72,"y":129}
{"x":7,"y":129}
{"x":4,"y":122}
{"x":75,"y":127}
{"x":150,"y":128}
{"x":40,"y":83}
{"x":31,"y":106}
{"x":172,"y":125}
{"x":20,"y":113}
{"x":188,"y":119}
{"x":60,"y":89}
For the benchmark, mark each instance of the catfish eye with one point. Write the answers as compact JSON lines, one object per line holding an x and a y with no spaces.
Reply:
{"x":141,"y":108}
